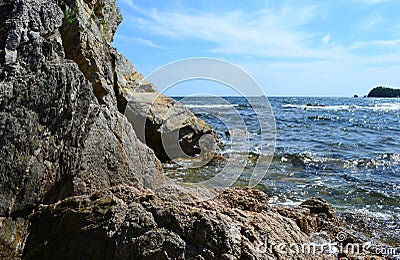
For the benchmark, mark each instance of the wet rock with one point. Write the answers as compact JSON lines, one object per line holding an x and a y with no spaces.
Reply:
{"x":320,"y":207}
{"x":313,"y":215}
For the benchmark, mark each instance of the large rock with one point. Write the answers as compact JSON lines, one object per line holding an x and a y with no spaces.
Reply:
{"x":56,"y":140}
{"x":129,"y":223}
{"x":87,"y":33}
{"x":165,"y":125}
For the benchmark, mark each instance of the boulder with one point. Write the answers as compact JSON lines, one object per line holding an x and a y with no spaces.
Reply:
{"x":86,"y":37}
{"x":167,"y":126}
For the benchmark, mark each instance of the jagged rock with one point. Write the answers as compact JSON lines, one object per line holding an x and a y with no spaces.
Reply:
{"x":313,"y":215}
{"x":56,"y":140}
{"x":86,"y":38}
{"x":320,"y":207}
{"x":166,"y":126}
{"x":145,"y":87}
{"x":129,"y":223}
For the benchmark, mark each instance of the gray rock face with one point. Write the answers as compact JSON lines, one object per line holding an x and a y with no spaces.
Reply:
{"x":56,"y":140}
{"x":86,"y":38}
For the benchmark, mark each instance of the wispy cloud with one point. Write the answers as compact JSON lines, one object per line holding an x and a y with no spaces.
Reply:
{"x":266,"y":32}
{"x":376,"y":43}
{"x":331,"y":48}
{"x":374,"y":21}
{"x":372,"y":1}
{"x":138,"y":40}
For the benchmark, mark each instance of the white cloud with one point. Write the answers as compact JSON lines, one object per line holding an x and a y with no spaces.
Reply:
{"x":267,"y":33}
{"x":372,"y":22}
{"x":372,"y":1}
{"x":376,"y":43}
{"x":326,"y":39}
{"x":138,"y":40}
{"x":375,"y":1}
{"x":282,"y":33}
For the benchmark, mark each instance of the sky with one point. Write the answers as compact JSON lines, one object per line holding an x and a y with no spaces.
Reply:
{"x":290,"y":47}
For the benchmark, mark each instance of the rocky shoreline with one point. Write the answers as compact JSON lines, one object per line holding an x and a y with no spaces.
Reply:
{"x":76,"y":181}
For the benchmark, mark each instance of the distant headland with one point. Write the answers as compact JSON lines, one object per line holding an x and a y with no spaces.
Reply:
{"x":384,"y":92}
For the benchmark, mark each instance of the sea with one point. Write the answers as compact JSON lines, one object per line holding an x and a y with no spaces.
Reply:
{"x":345,"y":150}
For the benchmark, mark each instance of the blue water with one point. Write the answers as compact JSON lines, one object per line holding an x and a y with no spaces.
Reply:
{"x":346,"y":150}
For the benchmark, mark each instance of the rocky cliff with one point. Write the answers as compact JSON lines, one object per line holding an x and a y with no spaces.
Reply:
{"x":57,"y":137}
{"x":75,"y":180}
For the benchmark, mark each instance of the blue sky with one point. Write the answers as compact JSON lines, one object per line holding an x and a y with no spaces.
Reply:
{"x":292,"y":48}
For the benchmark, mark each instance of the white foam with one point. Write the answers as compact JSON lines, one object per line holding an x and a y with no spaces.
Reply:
{"x":210,"y":106}
{"x":377,"y":215}
{"x":377,"y":107}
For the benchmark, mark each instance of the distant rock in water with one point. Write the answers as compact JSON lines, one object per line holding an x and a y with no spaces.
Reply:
{"x":383,"y":92}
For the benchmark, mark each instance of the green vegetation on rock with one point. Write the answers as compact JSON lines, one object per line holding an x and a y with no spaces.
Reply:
{"x":71,"y":14}
{"x":384,"y":92}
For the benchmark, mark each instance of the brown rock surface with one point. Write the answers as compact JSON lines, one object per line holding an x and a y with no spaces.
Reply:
{"x":129,"y":223}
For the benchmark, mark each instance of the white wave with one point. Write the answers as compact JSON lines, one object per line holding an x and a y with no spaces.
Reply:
{"x":374,"y":214}
{"x":211,"y":106}
{"x":275,"y":201}
{"x":386,"y":106}
{"x":293,"y":106}
{"x":377,"y":107}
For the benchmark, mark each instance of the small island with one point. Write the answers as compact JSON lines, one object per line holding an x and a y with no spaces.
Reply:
{"x":384,"y":92}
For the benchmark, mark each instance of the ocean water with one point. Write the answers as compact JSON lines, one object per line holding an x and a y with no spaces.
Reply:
{"x":345,"y":150}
